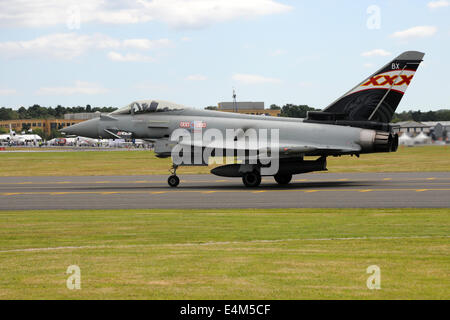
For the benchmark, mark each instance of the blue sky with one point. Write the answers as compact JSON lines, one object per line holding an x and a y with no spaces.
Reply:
{"x":194,"y":52}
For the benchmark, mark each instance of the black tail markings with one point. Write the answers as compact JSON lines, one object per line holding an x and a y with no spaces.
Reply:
{"x":372,"y":103}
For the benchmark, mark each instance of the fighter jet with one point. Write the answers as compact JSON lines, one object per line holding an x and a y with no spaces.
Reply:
{"x":356,"y":123}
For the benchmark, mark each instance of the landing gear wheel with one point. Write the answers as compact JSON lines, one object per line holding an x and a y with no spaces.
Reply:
{"x":251,"y":179}
{"x":173,"y":181}
{"x":283,"y":178}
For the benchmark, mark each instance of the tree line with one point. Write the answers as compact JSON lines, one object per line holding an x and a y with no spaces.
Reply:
{"x":440,"y":115}
{"x":300,"y":111}
{"x":288,"y":110}
{"x":38,"y":112}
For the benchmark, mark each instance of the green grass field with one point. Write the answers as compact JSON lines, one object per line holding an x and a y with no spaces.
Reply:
{"x":430,"y":158}
{"x":231,"y":254}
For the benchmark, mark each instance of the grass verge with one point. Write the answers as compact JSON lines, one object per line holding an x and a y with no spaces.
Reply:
{"x":430,"y":158}
{"x":225,"y":254}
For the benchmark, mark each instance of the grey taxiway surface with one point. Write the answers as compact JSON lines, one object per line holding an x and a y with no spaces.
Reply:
{"x":328,"y":190}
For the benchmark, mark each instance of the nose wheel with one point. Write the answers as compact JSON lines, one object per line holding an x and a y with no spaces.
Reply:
{"x":173,"y":180}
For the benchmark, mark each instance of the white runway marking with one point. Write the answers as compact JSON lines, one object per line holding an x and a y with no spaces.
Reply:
{"x":212,"y":243}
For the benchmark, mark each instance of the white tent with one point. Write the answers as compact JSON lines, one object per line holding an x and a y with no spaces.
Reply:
{"x":405,"y":140}
{"x":422,"y":138}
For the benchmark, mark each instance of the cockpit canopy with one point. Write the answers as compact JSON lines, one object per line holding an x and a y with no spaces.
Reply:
{"x":147,"y":106}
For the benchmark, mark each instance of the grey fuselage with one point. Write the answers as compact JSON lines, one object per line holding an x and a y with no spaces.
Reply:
{"x":317,"y":139}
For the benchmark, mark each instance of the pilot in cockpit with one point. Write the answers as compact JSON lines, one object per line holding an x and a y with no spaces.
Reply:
{"x":148,"y":106}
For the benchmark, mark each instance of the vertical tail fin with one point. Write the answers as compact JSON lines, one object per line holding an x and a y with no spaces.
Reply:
{"x":377,"y":97}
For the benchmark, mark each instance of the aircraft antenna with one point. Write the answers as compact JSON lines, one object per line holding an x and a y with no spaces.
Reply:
{"x":235,"y":107}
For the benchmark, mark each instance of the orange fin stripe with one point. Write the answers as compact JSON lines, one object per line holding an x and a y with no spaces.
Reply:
{"x":405,"y":79}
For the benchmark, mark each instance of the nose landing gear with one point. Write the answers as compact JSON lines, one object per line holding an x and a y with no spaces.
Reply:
{"x":173,"y":180}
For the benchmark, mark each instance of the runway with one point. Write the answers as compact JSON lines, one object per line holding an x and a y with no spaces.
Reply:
{"x":328,"y":190}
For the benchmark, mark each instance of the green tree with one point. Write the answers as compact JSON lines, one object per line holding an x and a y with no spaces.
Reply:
{"x":443,"y":115}
{"x":40,"y":133}
{"x":25,"y":127}
{"x":8,"y":114}
{"x":288,"y":110}
{"x":54,"y":134}
{"x":440,"y":115}
{"x":295,"y":111}
{"x":60,"y":111}
{"x":23,"y":113}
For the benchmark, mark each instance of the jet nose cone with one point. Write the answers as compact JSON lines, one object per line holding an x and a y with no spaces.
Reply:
{"x":87,"y":128}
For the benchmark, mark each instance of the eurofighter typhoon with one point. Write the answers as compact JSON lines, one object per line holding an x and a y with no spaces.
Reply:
{"x":354,"y":124}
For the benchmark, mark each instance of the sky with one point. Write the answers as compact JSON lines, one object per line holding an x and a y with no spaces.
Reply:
{"x":194,"y":52}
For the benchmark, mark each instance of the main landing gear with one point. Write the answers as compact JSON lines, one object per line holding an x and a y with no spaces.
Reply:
{"x":173,"y":180}
{"x":283,"y":178}
{"x":251,"y":179}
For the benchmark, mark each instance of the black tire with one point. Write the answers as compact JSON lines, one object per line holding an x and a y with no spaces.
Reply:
{"x":251,"y":179}
{"x":173,"y":181}
{"x":283,"y":178}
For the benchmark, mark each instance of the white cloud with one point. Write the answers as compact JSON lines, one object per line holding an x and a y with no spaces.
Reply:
{"x":438,"y":4}
{"x":129,"y":57}
{"x":176,"y":13}
{"x":7,"y":92}
{"x":415,"y":32}
{"x":146,"y":44}
{"x":196,"y":77}
{"x":186,"y":39}
{"x":368,"y":65}
{"x":59,"y":45}
{"x":70,"y":45}
{"x":253,"y":79}
{"x":277,"y":52}
{"x":200,"y":13}
{"x":43,"y":13}
{"x":376,"y":53}
{"x":80,"y":87}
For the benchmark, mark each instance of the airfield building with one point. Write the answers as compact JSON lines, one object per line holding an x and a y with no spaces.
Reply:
{"x":412,"y":127}
{"x":247,"y":107}
{"x":437,"y":130}
{"x":82,"y":115}
{"x":46,"y":125}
